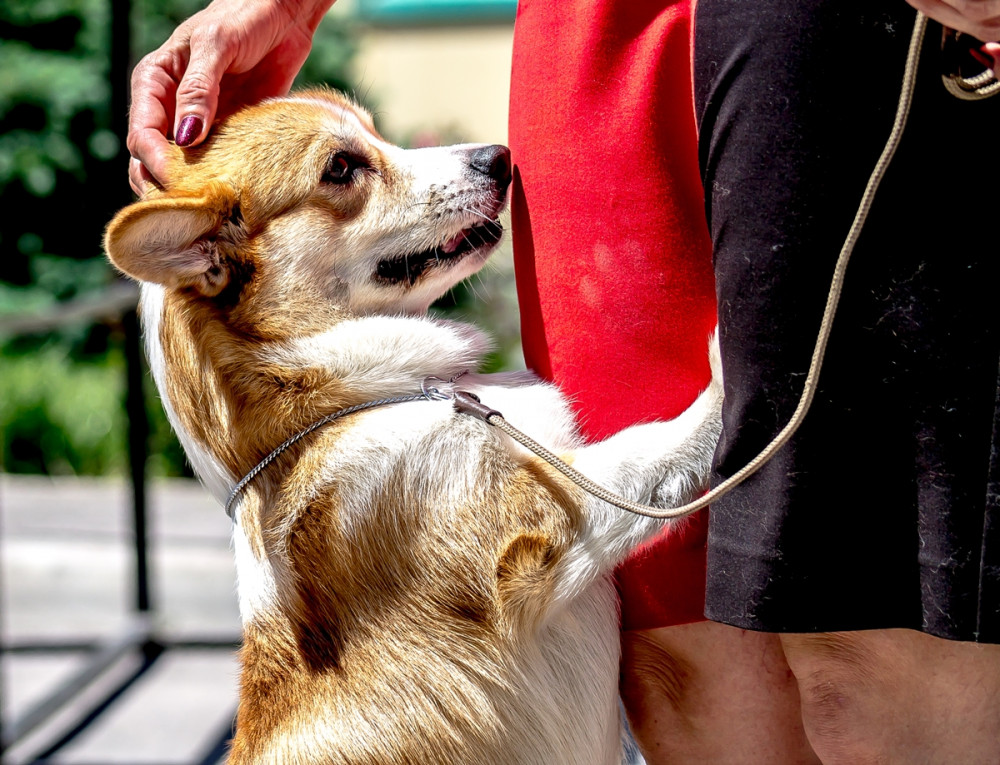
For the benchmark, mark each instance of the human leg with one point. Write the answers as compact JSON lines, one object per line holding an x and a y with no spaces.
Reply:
{"x":616,"y":292}
{"x":714,"y":694}
{"x":882,"y":511}
{"x":897,"y":696}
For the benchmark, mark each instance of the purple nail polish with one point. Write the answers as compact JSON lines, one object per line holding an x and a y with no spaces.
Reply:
{"x":190,"y":128}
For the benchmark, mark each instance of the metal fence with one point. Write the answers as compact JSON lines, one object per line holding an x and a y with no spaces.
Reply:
{"x":140,"y":637}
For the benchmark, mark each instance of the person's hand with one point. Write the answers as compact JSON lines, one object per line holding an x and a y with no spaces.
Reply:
{"x":232,"y":53}
{"x":979,"y":18}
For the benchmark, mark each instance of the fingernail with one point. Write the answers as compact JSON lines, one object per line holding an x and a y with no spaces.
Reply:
{"x":190,"y":128}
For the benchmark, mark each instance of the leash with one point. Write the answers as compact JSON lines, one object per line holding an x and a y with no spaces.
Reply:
{"x":429,"y":391}
{"x":819,"y":351}
{"x":465,"y":402}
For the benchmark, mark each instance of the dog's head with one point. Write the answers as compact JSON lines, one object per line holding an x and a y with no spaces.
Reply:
{"x":299,"y":205}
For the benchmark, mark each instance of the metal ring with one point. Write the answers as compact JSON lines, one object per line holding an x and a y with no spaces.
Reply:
{"x":434,"y":393}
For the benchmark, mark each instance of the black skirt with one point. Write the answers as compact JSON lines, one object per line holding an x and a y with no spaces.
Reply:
{"x":883,"y":510}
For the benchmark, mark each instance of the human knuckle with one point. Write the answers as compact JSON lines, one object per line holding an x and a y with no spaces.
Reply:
{"x":157,"y":59}
{"x":142,"y":70}
{"x":991,"y":28}
{"x":159,"y":66}
{"x":139,"y":143}
{"x":196,"y":84}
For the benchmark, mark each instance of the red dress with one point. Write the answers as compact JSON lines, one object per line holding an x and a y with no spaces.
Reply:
{"x":612,"y":253}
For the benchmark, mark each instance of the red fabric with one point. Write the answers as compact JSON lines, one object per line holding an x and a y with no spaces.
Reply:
{"x":611,"y":250}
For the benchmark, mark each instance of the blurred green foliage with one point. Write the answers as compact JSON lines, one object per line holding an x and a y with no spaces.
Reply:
{"x":61,"y":179}
{"x":62,"y":416}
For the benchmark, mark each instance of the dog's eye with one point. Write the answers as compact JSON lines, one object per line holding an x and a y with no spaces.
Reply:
{"x":340,"y":168}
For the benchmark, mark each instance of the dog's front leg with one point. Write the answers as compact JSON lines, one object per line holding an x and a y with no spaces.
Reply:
{"x":666,"y":464}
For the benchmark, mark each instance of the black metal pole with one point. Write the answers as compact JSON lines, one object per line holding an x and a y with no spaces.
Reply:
{"x":135,"y":404}
{"x":138,"y":450}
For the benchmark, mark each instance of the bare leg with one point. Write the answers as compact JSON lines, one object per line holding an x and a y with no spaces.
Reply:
{"x":712,"y":694}
{"x":898,"y":696}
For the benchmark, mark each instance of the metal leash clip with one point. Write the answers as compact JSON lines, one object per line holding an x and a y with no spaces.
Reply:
{"x":463,"y":401}
{"x":439,"y":389}
{"x":429,"y":387}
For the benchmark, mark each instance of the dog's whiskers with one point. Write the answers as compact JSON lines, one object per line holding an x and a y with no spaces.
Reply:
{"x":482,"y":215}
{"x":477,"y":281}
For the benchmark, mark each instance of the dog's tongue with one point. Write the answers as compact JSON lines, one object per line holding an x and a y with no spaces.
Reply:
{"x":452,"y":244}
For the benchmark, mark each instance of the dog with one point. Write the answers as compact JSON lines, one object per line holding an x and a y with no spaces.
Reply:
{"x":414,"y":586}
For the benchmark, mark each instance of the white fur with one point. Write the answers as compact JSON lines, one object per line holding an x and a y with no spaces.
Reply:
{"x":209,"y":470}
{"x":390,"y":352}
{"x":257,"y":585}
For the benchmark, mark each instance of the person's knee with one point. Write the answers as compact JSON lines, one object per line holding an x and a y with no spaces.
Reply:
{"x":837,"y":676}
{"x":707,"y":692}
{"x":652,"y":676}
{"x":884,"y":695}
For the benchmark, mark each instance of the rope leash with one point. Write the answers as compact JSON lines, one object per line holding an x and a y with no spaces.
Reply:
{"x":467,"y":403}
{"x":976,"y":88}
{"x":819,"y":351}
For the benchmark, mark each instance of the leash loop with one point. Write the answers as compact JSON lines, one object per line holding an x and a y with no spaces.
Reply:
{"x":956,"y":59}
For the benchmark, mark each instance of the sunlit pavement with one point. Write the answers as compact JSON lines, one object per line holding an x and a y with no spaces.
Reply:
{"x":68,"y":581}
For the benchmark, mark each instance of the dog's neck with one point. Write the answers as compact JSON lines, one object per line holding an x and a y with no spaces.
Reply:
{"x":231,"y":399}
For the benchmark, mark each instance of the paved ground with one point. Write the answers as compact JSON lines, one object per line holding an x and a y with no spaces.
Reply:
{"x":65,"y":551}
{"x":67,"y":579}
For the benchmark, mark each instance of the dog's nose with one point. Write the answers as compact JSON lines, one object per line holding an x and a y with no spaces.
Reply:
{"x":493,"y":161}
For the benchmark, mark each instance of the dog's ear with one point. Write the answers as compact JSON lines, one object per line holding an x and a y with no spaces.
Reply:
{"x":524,"y":579}
{"x":173,"y":239}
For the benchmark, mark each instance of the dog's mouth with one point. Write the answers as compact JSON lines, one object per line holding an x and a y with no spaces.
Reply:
{"x":410,"y":267}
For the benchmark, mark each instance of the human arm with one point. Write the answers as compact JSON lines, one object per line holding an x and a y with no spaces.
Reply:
{"x":232,"y":53}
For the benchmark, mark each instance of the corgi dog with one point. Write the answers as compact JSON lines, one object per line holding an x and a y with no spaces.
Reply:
{"x":414,"y":586}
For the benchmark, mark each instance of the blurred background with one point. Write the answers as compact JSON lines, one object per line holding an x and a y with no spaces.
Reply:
{"x":118,"y":617}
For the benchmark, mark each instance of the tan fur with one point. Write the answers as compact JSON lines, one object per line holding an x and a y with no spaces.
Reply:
{"x":415,"y":588}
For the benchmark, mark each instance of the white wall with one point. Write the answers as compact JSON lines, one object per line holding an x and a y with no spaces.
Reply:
{"x":453,"y":81}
